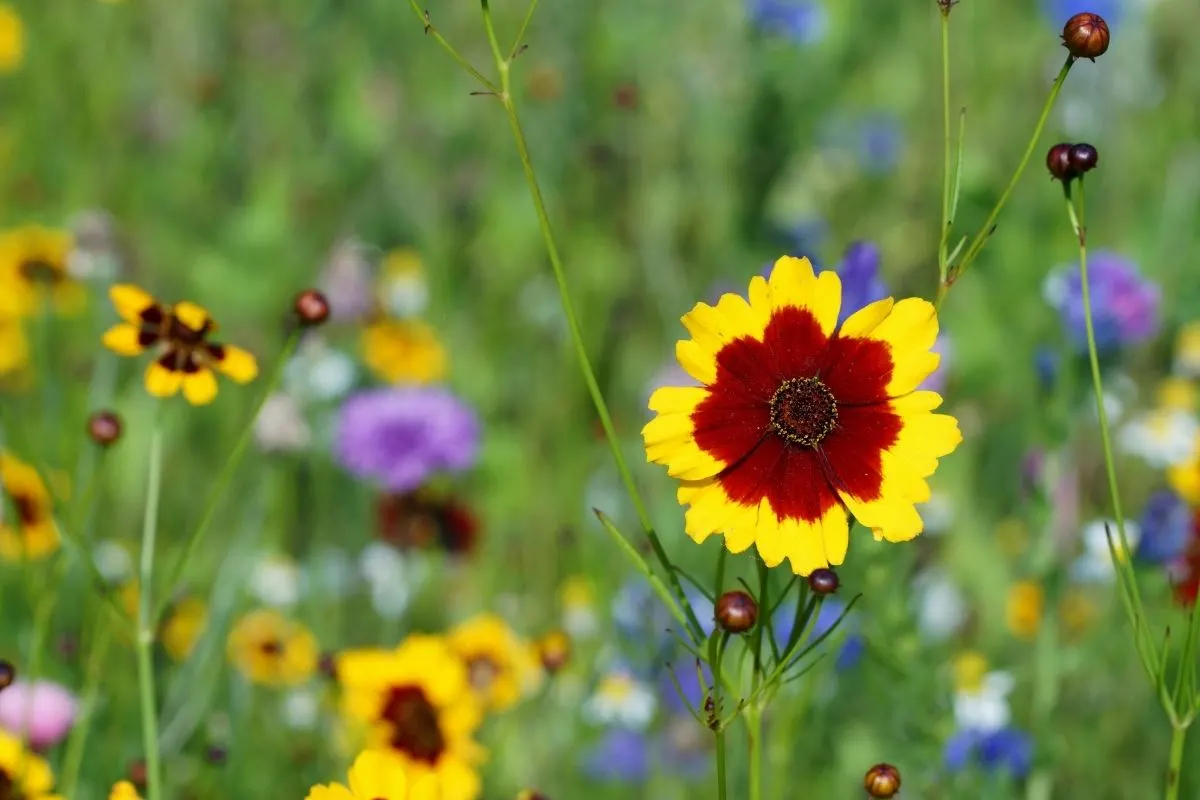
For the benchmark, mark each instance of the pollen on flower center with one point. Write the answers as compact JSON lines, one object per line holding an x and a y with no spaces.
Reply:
{"x":414,"y":723}
{"x":803,"y":411}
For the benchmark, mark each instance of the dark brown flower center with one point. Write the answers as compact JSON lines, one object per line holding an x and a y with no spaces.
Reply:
{"x":38,"y":270}
{"x":482,"y":672}
{"x":28,"y":513}
{"x":272,"y":648}
{"x":803,"y":411}
{"x":414,"y":723}
{"x":8,"y":788}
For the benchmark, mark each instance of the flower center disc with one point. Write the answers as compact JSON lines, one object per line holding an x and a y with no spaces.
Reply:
{"x":27,"y":514}
{"x":414,"y":724}
{"x":38,"y":271}
{"x":481,"y":673}
{"x":8,"y":790}
{"x":803,"y":411}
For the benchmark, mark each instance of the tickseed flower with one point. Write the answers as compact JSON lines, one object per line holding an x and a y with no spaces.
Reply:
{"x":33,"y":268}
{"x":22,"y":774}
{"x":376,"y":775}
{"x":1024,"y":609}
{"x":124,"y":790}
{"x":403,"y":352}
{"x":33,"y":535}
{"x":179,"y":337}
{"x":14,"y":346}
{"x":427,"y":519}
{"x":500,"y":666}
{"x":12,"y":39}
{"x":270,"y":649}
{"x":183,"y":627}
{"x":799,"y":421}
{"x":416,"y":702}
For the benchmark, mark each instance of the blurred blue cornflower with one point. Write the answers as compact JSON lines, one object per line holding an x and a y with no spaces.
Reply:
{"x":1060,"y":11}
{"x":861,"y":283}
{"x":872,"y":141}
{"x":1045,"y":366}
{"x":802,"y":21}
{"x":853,"y":645}
{"x":1124,"y":304}
{"x":1006,"y":749}
{"x":1166,"y":524}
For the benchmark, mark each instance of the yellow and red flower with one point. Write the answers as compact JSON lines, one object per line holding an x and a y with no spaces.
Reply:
{"x":33,"y":269}
{"x":798,"y":422}
{"x":178,"y":335}
{"x":33,"y":535}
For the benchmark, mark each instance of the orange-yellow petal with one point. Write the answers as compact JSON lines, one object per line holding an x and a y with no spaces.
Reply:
{"x":909,"y":331}
{"x":130,"y":301}
{"x":793,"y":284}
{"x":122,"y":339}
{"x":190,"y":314}
{"x":378,"y":775}
{"x":200,"y":388}
{"x":670,"y":436}
{"x":162,"y":382}
{"x":238,"y":364}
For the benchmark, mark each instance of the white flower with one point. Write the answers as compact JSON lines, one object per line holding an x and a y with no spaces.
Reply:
{"x":1162,"y":437}
{"x":405,"y":294}
{"x":390,"y":598}
{"x":318,"y":372}
{"x":941,"y":607}
{"x":578,"y":608}
{"x":113,"y":561}
{"x":621,"y":699}
{"x":380,"y":562}
{"x":392,"y":577}
{"x":301,"y":709}
{"x":1095,"y":565}
{"x":275,"y":581}
{"x":280,"y":426}
{"x":985,"y":709}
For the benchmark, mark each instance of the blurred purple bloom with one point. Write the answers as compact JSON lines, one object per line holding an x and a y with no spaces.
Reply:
{"x":1166,"y":524}
{"x":861,"y":284}
{"x":689,"y":682}
{"x":402,"y":436}
{"x":1124,"y":304}
{"x":639,"y":614}
{"x":1045,"y":365}
{"x":1006,"y":749}
{"x":853,"y":646}
{"x":802,"y":21}
{"x":46,"y":709}
{"x":936,"y":382}
{"x":621,"y":755}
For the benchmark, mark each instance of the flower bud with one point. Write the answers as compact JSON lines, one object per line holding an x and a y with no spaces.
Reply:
{"x":104,"y":428}
{"x":882,"y":780}
{"x":736,"y":612}
{"x":216,"y":754}
{"x":137,"y":774}
{"x":1058,"y":161}
{"x":8,"y":674}
{"x":1084,"y":158}
{"x":823,"y":581}
{"x":312,"y":308}
{"x":554,"y":650}
{"x":1086,"y":35}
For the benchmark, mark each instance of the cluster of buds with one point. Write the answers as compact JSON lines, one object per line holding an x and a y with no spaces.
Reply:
{"x":1067,"y":162}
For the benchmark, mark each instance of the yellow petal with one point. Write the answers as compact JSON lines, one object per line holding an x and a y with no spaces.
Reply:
{"x":867,"y":318}
{"x":793,"y":284}
{"x":130,"y":301}
{"x":334,"y":791}
{"x":200,"y":388}
{"x":773,"y":535}
{"x":190,"y":314}
{"x":732,"y":318}
{"x":238,"y":364}
{"x":162,"y":382}
{"x":701,"y":364}
{"x":711,"y":511}
{"x":670,"y":437}
{"x":122,"y":339}
{"x":909,"y":332}
{"x":378,"y":774}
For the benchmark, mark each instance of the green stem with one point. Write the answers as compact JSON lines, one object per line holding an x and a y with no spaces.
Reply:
{"x":145,"y":635}
{"x":722,"y":791}
{"x":462,"y":62}
{"x":1178,"y":737}
{"x":754,"y":738}
{"x":943,"y":266}
{"x":977,"y":243}
{"x":73,"y":759}
{"x":589,"y":376}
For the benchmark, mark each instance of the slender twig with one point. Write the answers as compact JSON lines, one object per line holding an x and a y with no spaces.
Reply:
{"x":145,"y":636}
{"x":943,"y":263}
{"x":430,"y":30}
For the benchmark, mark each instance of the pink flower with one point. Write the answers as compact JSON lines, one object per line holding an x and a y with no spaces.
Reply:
{"x":47,"y":708}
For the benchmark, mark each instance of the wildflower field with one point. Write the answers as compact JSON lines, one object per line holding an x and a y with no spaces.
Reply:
{"x":744,"y":399}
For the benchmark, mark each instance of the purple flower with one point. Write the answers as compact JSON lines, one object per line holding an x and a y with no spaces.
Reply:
{"x":46,"y":709}
{"x":936,"y":382}
{"x":688,"y":682}
{"x":802,"y":21}
{"x":861,"y":284}
{"x":1166,"y":524}
{"x":640,"y":614}
{"x":399,"y":437}
{"x":1007,"y":749}
{"x":621,"y":755}
{"x":1124,"y":304}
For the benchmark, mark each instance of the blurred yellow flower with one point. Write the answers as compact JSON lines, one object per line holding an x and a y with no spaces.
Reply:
{"x":376,"y":775}
{"x":124,"y":790}
{"x":970,"y":667}
{"x":403,"y":352}
{"x":178,"y":335}
{"x":270,"y":649}
{"x":33,"y":269}
{"x":23,"y":774}
{"x":129,"y":597}
{"x":1076,"y":612}
{"x":1177,"y":394}
{"x":1187,"y":349}
{"x":401,"y":289}
{"x":14,"y":347}
{"x":500,"y":666}
{"x":417,"y":702}
{"x":12,"y":39}
{"x":553,"y":650}
{"x":33,"y":535}
{"x":184,"y":627}
{"x":1024,"y":610}
{"x":1185,"y":478}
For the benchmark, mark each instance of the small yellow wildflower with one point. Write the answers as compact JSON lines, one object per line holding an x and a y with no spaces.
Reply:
{"x":1177,"y":394}
{"x":14,"y":347}
{"x":22,"y":774}
{"x":402,"y":290}
{"x":500,"y":667}
{"x":1076,"y":612}
{"x":273,"y":650}
{"x":1187,"y":349}
{"x":33,"y":269}
{"x":376,"y":775}
{"x":1026,"y":605}
{"x":33,"y":535}
{"x":969,"y":669}
{"x":124,"y":790}
{"x":12,"y":39}
{"x":403,"y":352}
{"x":184,"y":627}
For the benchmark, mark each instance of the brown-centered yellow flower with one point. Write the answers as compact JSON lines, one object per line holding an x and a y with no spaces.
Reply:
{"x":33,"y":271}
{"x":270,"y":649}
{"x":32,"y":535}
{"x":185,"y":357}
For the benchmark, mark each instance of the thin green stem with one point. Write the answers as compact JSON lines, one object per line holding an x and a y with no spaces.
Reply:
{"x":145,"y":636}
{"x":225,"y":477}
{"x":716,"y":658}
{"x":430,"y":30}
{"x":1175,"y":765}
{"x":954,"y":272}
{"x":943,"y":240}
{"x":722,"y":789}
{"x":73,"y":759}
{"x":516,"y":48}
{"x":754,"y":741}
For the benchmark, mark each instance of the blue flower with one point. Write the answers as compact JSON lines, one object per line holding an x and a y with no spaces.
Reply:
{"x":1124,"y":304}
{"x":853,"y":646}
{"x":1006,"y":749}
{"x":861,"y":284}
{"x":1166,"y":524}
{"x":1045,"y":365}
{"x":802,"y":21}
{"x":640,"y":614}
{"x":620,"y":755}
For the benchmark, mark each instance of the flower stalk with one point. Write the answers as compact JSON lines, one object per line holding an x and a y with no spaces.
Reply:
{"x":146,"y":626}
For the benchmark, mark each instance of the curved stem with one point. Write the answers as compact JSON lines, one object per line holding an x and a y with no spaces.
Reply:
{"x":1178,"y":738}
{"x":943,"y":266}
{"x":462,"y":62}
{"x":145,"y":636}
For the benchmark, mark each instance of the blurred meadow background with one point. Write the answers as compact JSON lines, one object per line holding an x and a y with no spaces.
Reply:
{"x":234,"y":154}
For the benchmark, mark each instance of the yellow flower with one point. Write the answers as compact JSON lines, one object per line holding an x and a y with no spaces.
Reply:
{"x":1177,"y":394}
{"x":12,"y":39}
{"x":1184,"y":478}
{"x":33,"y":268}
{"x":403,"y":352}
{"x":184,"y":627}
{"x":1023,"y":613}
{"x":500,"y":667}
{"x":273,"y":650}
{"x":402,"y":289}
{"x":33,"y":535}
{"x":970,"y":668}
{"x":798,"y":421}
{"x":1187,"y":349}
{"x":124,"y":790}
{"x":416,"y":701}
{"x":376,"y":775}
{"x":23,"y":774}
{"x":178,"y":335}
{"x":14,"y":347}
{"x":553,"y":650}
{"x":129,"y":595}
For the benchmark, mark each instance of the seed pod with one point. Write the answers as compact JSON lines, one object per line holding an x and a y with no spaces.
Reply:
{"x":1084,"y":158}
{"x":823,"y":581}
{"x":736,"y":612}
{"x":882,"y":780}
{"x":1058,"y":161}
{"x":312,"y":308}
{"x":1086,"y":36}
{"x":104,"y":428}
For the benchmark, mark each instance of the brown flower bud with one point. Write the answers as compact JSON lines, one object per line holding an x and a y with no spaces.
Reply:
{"x":104,"y":428}
{"x":882,"y":780}
{"x":8,"y":673}
{"x":137,"y":774}
{"x":554,"y":650}
{"x":1058,"y":161}
{"x":823,"y":581}
{"x":1086,"y":36}
{"x":1084,"y":158}
{"x":311,"y":307}
{"x":736,"y":612}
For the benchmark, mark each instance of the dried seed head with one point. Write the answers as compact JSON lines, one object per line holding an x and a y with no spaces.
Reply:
{"x":1086,"y":35}
{"x":104,"y":428}
{"x":882,"y":780}
{"x":312,"y":308}
{"x":1058,"y":161}
{"x":736,"y":612}
{"x":8,"y":673}
{"x":823,"y":581}
{"x":1084,"y":158}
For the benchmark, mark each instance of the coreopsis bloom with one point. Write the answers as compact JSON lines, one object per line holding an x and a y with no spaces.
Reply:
{"x":45,"y":711}
{"x":501,"y":667}
{"x":1124,"y":304}
{"x":403,"y":352}
{"x":270,"y":649}
{"x":12,"y":39}
{"x":375,"y":775}
{"x":416,"y":702}
{"x":184,"y":625}
{"x":23,"y":774}
{"x":33,"y":270}
{"x":800,"y":421}
{"x":14,"y":346}
{"x":178,"y":336}
{"x":33,"y":535}
{"x":124,"y":790}
{"x":1024,"y":609}
{"x":427,"y":519}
